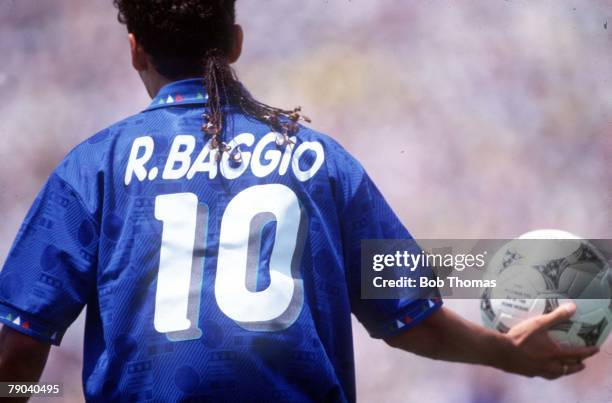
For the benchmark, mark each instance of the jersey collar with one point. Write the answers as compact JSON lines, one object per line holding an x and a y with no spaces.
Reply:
{"x":183,"y":92}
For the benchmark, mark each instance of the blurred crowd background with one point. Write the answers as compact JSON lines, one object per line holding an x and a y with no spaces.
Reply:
{"x":481,"y":119}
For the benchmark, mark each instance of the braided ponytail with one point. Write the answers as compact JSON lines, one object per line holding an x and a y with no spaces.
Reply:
{"x":187,"y":38}
{"x":222,"y":85}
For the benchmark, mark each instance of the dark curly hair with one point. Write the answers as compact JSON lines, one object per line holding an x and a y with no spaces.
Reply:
{"x":187,"y":38}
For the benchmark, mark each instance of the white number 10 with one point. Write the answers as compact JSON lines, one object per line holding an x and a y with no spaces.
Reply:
{"x":181,"y":265}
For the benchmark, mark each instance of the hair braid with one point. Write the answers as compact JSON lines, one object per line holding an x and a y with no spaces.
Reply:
{"x":222,"y":85}
{"x":189,"y":38}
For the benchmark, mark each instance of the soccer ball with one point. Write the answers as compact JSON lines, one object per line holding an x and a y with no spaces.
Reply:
{"x":542,"y":270}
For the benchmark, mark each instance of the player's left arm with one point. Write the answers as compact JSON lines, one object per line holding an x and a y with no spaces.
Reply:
{"x":22,"y":358}
{"x":48,"y":277}
{"x":526,"y":349}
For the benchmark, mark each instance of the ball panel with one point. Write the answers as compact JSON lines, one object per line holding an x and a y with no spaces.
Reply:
{"x":535,"y":278}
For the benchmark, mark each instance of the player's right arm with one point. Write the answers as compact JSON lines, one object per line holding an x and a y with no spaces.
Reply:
{"x":423,"y":326}
{"x":525,"y":350}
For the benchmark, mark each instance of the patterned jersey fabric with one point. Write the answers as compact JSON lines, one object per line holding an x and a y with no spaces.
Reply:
{"x":204,"y":278}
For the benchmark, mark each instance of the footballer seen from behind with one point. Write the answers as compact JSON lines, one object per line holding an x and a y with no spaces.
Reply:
{"x":202,"y":235}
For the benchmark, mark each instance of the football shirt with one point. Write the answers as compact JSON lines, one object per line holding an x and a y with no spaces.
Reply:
{"x":204,"y":278}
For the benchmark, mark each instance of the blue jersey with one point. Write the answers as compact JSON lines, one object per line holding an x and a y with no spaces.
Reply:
{"x":205,"y":277}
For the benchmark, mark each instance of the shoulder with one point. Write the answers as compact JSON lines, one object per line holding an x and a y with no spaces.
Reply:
{"x":309,"y":134}
{"x":93,"y":152}
{"x":336,"y":155}
{"x":105,"y":137}
{"x":85,"y":165}
{"x":340,"y":162}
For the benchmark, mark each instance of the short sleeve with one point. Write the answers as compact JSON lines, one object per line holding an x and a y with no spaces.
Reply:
{"x":364,"y":214}
{"x":49,"y":273}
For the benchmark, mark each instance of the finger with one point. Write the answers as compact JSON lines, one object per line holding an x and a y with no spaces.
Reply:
{"x":559,"y":315}
{"x":576,"y":353}
{"x":550,"y":376}
{"x":573,"y":368}
{"x":558,"y":369}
